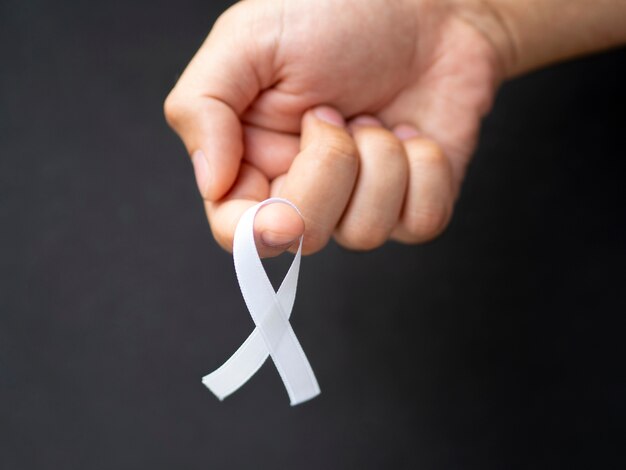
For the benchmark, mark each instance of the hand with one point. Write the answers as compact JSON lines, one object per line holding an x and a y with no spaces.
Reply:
{"x":416,"y":67}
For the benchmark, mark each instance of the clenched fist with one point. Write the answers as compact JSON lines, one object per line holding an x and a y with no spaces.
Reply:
{"x":364,"y":114}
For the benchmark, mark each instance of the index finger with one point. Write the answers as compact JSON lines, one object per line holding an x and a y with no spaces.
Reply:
{"x":205,"y":106}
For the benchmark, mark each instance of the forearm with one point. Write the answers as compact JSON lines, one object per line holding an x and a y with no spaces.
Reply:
{"x":532,"y":33}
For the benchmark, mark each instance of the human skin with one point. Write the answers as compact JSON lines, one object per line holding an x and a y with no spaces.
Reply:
{"x":364,"y":114}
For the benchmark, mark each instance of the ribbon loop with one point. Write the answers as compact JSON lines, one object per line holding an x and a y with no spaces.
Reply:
{"x":270,"y":312}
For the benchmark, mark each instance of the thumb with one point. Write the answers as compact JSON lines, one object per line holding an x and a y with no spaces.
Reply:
{"x":205,"y":105}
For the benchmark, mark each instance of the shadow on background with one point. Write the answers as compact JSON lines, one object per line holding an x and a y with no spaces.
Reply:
{"x":497,"y":346}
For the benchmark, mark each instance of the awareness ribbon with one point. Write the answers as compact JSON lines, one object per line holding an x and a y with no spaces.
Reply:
{"x":270,"y":312}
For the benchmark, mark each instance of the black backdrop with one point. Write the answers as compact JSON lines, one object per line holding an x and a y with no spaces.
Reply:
{"x":497,"y":346}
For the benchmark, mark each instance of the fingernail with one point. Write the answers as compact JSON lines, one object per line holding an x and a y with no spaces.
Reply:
{"x":202,"y":171}
{"x":406,"y":132}
{"x":366,"y":121}
{"x":329,"y":115}
{"x":276,"y":239}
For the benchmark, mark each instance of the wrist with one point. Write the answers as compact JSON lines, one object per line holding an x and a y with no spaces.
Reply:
{"x":534,"y":33}
{"x":487,"y":17}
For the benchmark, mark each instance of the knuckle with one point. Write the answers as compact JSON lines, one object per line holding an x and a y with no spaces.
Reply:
{"x":314,"y":241}
{"x":360,"y":239}
{"x":175,"y":109}
{"x":223,"y":239}
{"x":335,"y":151}
{"x":426,"y":151}
{"x":427,"y":224}
{"x":381,"y":141}
{"x":388,"y":148}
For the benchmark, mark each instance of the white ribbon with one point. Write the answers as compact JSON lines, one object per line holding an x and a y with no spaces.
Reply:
{"x":270,"y":312}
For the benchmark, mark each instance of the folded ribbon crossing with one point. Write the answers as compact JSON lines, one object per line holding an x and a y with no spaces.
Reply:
{"x":270,"y":312}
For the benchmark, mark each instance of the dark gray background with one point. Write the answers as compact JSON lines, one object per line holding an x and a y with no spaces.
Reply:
{"x":497,"y":346}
